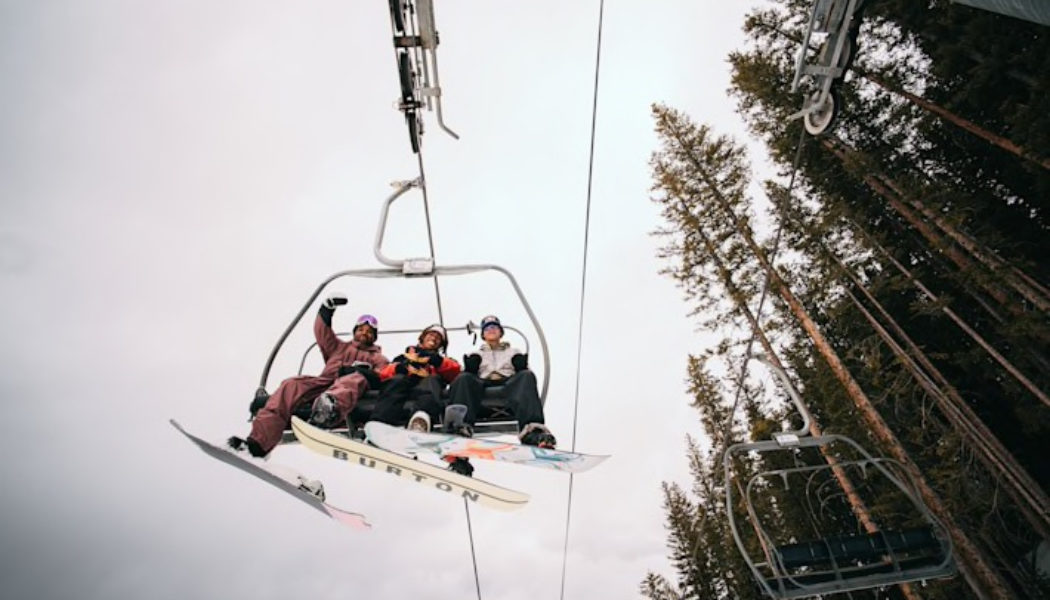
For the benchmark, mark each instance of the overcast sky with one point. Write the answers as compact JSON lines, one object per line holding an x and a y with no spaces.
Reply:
{"x":175,"y":180}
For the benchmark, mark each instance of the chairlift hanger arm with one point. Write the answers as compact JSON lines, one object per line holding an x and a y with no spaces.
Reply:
{"x":796,"y":399}
{"x":801,"y":61}
{"x":840,"y":19}
{"x":400,"y":188}
{"x":416,"y":38}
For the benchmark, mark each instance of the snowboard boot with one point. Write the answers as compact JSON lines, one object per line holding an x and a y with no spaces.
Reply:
{"x":537,"y":434}
{"x":462,"y":429}
{"x":461,"y":466}
{"x":239,"y":445}
{"x":454,"y":422}
{"x":312,"y":487}
{"x":324,"y":414}
{"x":420,"y":421}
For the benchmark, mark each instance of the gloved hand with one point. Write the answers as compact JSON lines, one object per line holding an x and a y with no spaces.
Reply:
{"x":434,"y":359}
{"x":336,"y":299}
{"x":365,"y":370}
{"x":410,"y":368}
{"x":472,"y":363}
{"x":258,"y":402}
{"x":520,"y":362}
{"x":422,"y":358}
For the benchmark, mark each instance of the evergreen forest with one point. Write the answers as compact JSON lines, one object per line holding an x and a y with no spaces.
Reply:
{"x":896,"y":271}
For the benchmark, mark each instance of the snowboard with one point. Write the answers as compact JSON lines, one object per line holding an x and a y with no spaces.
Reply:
{"x":404,"y":467}
{"x":281,"y":477}
{"x":408,"y":442}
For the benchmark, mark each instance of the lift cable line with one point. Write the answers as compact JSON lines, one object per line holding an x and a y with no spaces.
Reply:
{"x":430,"y":236}
{"x":761,"y":303}
{"x":441,"y":320}
{"x":583,"y":287}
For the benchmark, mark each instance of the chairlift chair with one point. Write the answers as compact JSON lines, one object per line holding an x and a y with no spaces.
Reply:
{"x":898,"y":540}
{"x":840,"y":21}
{"x":415,"y":47}
{"x":495,"y":418}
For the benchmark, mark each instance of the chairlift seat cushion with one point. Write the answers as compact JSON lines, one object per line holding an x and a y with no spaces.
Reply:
{"x":861,"y":549}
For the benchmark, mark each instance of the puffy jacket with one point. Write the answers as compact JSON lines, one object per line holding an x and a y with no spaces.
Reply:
{"x":435,"y":364}
{"x":496,"y":360}
{"x":338,"y":354}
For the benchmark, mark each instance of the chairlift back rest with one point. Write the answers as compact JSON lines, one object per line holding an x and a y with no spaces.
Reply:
{"x":861,"y":548}
{"x":494,"y":408}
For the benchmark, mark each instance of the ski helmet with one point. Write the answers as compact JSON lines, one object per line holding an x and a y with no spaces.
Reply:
{"x":438,"y":329}
{"x":369,"y":320}
{"x":489,"y":321}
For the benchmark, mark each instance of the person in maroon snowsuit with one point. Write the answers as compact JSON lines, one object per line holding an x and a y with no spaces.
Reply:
{"x":350,"y":369}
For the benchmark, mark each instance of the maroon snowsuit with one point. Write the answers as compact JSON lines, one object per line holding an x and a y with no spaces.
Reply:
{"x":276,"y":415}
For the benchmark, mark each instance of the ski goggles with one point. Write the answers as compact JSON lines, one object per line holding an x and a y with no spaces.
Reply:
{"x":367,"y":320}
{"x":491,"y":321}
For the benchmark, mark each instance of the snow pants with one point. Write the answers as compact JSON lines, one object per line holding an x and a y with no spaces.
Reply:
{"x":276,"y":416}
{"x":523,"y":399}
{"x":426,"y":392}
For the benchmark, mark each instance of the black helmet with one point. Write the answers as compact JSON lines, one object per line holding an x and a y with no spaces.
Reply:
{"x":491,"y":320}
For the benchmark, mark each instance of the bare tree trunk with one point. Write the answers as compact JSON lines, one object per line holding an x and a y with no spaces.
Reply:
{"x":997,"y":459}
{"x":947,"y":115}
{"x":936,"y":240}
{"x":976,"y":337}
{"x":1033,"y":351}
{"x":1016,"y":278}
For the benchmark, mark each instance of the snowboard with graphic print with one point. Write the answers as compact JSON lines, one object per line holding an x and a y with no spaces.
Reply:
{"x":447,"y":445}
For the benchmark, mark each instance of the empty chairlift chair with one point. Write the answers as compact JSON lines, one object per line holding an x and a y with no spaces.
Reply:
{"x":820,"y":515}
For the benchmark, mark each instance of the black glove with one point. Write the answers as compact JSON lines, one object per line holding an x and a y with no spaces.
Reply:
{"x":369,"y":374}
{"x":364,"y":369}
{"x":520,"y":362}
{"x":328,"y":307}
{"x":258,"y":402}
{"x":472,"y":363}
{"x":435,"y":360}
{"x":336,"y":299}
{"x":401,"y":369}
